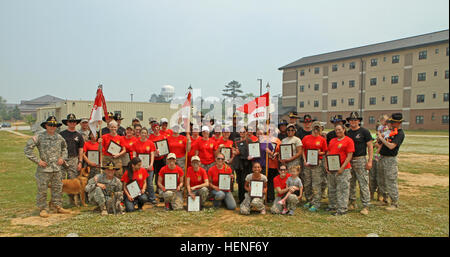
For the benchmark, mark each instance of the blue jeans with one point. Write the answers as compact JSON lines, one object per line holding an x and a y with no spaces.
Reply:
{"x":140,"y":200}
{"x":227,"y":197}
{"x":150,"y":191}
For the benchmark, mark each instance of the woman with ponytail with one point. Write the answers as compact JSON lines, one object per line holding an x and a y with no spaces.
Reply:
{"x":134,"y":172}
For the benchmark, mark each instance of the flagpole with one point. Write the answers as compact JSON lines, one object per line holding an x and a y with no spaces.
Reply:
{"x":267,"y":134}
{"x":187,"y":139}
{"x":100,"y":147}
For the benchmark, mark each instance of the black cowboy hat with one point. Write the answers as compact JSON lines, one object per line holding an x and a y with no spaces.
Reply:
{"x":354,"y":116}
{"x":395,"y":117}
{"x":110,"y":166}
{"x":338,"y":118}
{"x":51,"y":120}
{"x":307,"y":118}
{"x":282,"y":122}
{"x":71,"y":117}
{"x":110,"y":115}
{"x":117,"y":117}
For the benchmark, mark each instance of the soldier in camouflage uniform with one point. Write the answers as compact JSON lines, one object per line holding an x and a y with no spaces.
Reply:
{"x":105,"y":190}
{"x":52,"y":152}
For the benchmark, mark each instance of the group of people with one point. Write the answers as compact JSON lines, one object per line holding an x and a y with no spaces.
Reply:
{"x":199,"y":156}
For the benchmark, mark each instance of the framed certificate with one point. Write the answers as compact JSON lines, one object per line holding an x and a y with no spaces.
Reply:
{"x":224,"y":182}
{"x":193,"y":204}
{"x":286,"y":151}
{"x":254,"y":150}
{"x":163,"y":147}
{"x":226,"y":151}
{"x":170,"y":181}
{"x":93,"y":156}
{"x":256,"y":188}
{"x":312,"y":157}
{"x":334,"y":162}
{"x":133,"y":189}
{"x":145,"y":158}
{"x":114,"y":148}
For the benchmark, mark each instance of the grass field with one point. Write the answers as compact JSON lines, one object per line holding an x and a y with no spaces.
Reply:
{"x":424,"y":206}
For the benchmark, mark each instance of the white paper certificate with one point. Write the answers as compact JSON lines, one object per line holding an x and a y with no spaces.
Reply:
{"x":334,"y":162}
{"x":133,"y":189}
{"x":226,"y":151}
{"x":93,"y":156}
{"x":254,"y":150}
{"x":145,"y":158}
{"x":170,"y":181}
{"x":163,"y":147}
{"x":312,"y":157}
{"x":224,"y":182}
{"x":114,"y":148}
{"x":193,"y":205}
{"x":286,"y":151}
{"x":256,"y":188}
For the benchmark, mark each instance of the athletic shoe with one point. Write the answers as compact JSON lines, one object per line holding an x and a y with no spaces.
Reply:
{"x":307,"y":205}
{"x":284,"y":211}
{"x":313,"y":209}
{"x":291,"y":212}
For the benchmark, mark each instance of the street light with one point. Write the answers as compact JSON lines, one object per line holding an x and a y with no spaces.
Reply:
{"x":260,"y":86}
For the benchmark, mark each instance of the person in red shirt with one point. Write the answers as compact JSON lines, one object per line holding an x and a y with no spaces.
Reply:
{"x":217,"y":135}
{"x":197,"y":181}
{"x":194,"y":139}
{"x":221,"y":195}
{"x":179,"y":145}
{"x":134,"y":172}
{"x":146,"y":146}
{"x":129,"y":140}
{"x":164,"y":131}
{"x":339,"y":182}
{"x":205,"y":149}
{"x":281,"y":190}
{"x":172,"y":198}
{"x":91,"y":145}
{"x":225,"y":141}
{"x":106,"y":141}
{"x":137,"y":130}
{"x":159,"y":161}
{"x":313,"y":173}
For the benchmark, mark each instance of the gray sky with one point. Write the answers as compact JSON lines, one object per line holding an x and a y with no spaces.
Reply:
{"x":66,"y":48}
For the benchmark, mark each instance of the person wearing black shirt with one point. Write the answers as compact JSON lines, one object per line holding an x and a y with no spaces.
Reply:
{"x":307,"y":128}
{"x":388,"y":161}
{"x":360,"y":167}
{"x":120,"y":130}
{"x":241,"y":162}
{"x":282,"y":126}
{"x":337,"y":119}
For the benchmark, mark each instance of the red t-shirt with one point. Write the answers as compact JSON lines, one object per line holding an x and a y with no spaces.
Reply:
{"x":206,"y":150}
{"x":254,"y":138}
{"x":140,"y":176}
{"x":312,"y":142}
{"x":166,"y":169}
{"x":213,"y":174}
{"x":196,"y":178}
{"x":89,"y":146}
{"x":225,"y":143}
{"x":129,"y":145}
{"x":106,"y":140}
{"x":192,"y":151}
{"x":167,"y":132}
{"x":273,"y":164}
{"x":144,"y":147}
{"x":177,"y":145}
{"x":280,"y":182}
{"x":154,"y":138}
{"x":216,"y":139}
{"x":342,"y":148}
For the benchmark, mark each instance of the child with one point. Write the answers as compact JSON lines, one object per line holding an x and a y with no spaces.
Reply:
{"x":295,"y":187}
{"x":383,"y":128}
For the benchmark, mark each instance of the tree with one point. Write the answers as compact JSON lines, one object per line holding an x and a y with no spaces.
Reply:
{"x":15,"y":113}
{"x":30,"y":119}
{"x":233,"y":90}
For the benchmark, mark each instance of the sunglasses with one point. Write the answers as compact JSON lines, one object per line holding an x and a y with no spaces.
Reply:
{"x":283,"y":169}
{"x":220,"y":159}
{"x":52,"y":125}
{"x":290,"y":130}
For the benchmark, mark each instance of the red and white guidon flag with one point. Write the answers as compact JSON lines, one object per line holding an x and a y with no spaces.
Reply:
{"x":256,"y":109}
{"x":186,"y":112}
{"x":98,"y":111}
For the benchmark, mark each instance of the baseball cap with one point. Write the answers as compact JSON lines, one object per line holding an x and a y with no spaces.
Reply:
{"x":164,"y":120}
{"x":195,"y":158}
{"x":171,"y":156}
{"x":205,"y":128}
{"x":195,"y":128}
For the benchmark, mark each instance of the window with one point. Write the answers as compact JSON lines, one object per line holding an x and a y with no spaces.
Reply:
{"x":445,"y":97}
{"x":435,"y":73}
{"x":316,"y":70}
{"x":446,"y":74}
{"x":371,"y":120}
{"x":316,"y":87}
{"x":373,"y":81}
{"x":422,"y":76}
{"x":333,"y":85}
{"x":373,"y":101}
{"x":373,"y":62}
{"x":302,"y":104}
{"x":444,"y":119}
{"x":436,"y":51}
{"x":393,"y":99}
{"x":334,"y":67}
{"x":422,"y":55}
{"x":351,"y":83}
{"x":394,"y":79}
{"x":333,"y":102}
{"x":302,"y":88}
{"x":352,"y":65}
{"x":420,"y":98}
{"x":446,"y":51}
{"x":419,"y":119}
{"x":434,"y":95}
{"x":302,"y":73}
{"x":316,"y":103}
{"x":140,"y":115}
{"x":395,"y":58}
{"x":351,"y":101}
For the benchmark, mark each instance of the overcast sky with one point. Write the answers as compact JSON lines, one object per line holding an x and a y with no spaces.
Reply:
{"x":66,"y":48}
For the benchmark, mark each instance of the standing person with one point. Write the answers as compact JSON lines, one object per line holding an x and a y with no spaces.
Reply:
{"x":105,"y":190}
{"x":336,"y":120}
{"x":307,"y":128}
{"x":362,"y":140}
{"x":159,"y":160}
{"x":217,"y":133}
{"x":375,"y":180}
{"x":273,"y":164}
{"x":172,"y":199}
{"x":313,"y":173}
{"x":339,"y":182}
{"x":128,"y":142}
{"x":110,"y":118}
{"x":179,"y":144}
{"x":296,"y":147}
{"x":84,"y":130}
{"x":388,"y":160}
{"x":265,"y":146}
{"x":106,"y":141}
{"x":91,"y":145}
{"x":137,"y":130}
{"x":146,"y":146}
{"x":220,"y":196}
{"x":254,"y":202}
{"x":282,"y":126}
{"x":120,"y":130}
{"x":135,"y":121}
{"x":135,"y":172}
{"x":205,"y":149}
{"x":52,"y":151}
{"x":195,"y":137}
{"x":293,"y":117}
{"x":197,"y":181}
{"x":164,"y":130}
{"x":242,"y":162}
{"x":235,"y":130}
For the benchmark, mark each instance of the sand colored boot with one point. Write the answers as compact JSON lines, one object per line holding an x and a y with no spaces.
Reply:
{"x":62,"y":210}
{"x":44,"y":214}
{"x":365,"y":211}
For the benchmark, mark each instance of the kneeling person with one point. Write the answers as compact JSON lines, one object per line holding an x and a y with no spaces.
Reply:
{"x":286,"y":200}
{"x":172,"y":198}
{"x":134,"y":172}
{"x":197,"y":181}
{"x":254,"y":202}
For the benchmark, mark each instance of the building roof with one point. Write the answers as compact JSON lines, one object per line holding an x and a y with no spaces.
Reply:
{"x":46,"y":99}
{"x":409,"y":42}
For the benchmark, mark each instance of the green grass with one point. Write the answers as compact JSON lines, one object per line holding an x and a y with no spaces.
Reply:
{"x":423,"y":214}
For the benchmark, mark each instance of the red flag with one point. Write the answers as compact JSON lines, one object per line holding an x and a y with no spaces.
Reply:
{"x":257,"y":108}
{"x":98,"y":111}
{"x":186,"y":112}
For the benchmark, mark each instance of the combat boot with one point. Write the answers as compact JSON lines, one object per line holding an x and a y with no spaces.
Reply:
{"x":61,"y":210}
{"x":352,"y":206}
{"x":365,"y":211}
{"x":44,"y":213}
{"x":393,"y":207}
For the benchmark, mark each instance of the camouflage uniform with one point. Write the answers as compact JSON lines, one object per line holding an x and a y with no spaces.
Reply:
{"x":203,"y":193}
{"x":51,"y":148}
{"x":313,"y":183}
{"x":117,"y":163}
{"x":338,"y":190}
{"x":69,"y":169}
{"x":324,"y":180}
{"x":389,"y":169}
{"x":85,"y":134}
{"x":291,"y":204}
{"x":249,"y":203}
{"x":103,"y":198}
{"x":181,"y":162}
{"x":373,"y":180}
{"x":175,"y":198}
{"x":359,"y":173}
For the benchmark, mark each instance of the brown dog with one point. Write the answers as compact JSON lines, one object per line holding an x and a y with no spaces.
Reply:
{"x":76,"y":186}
